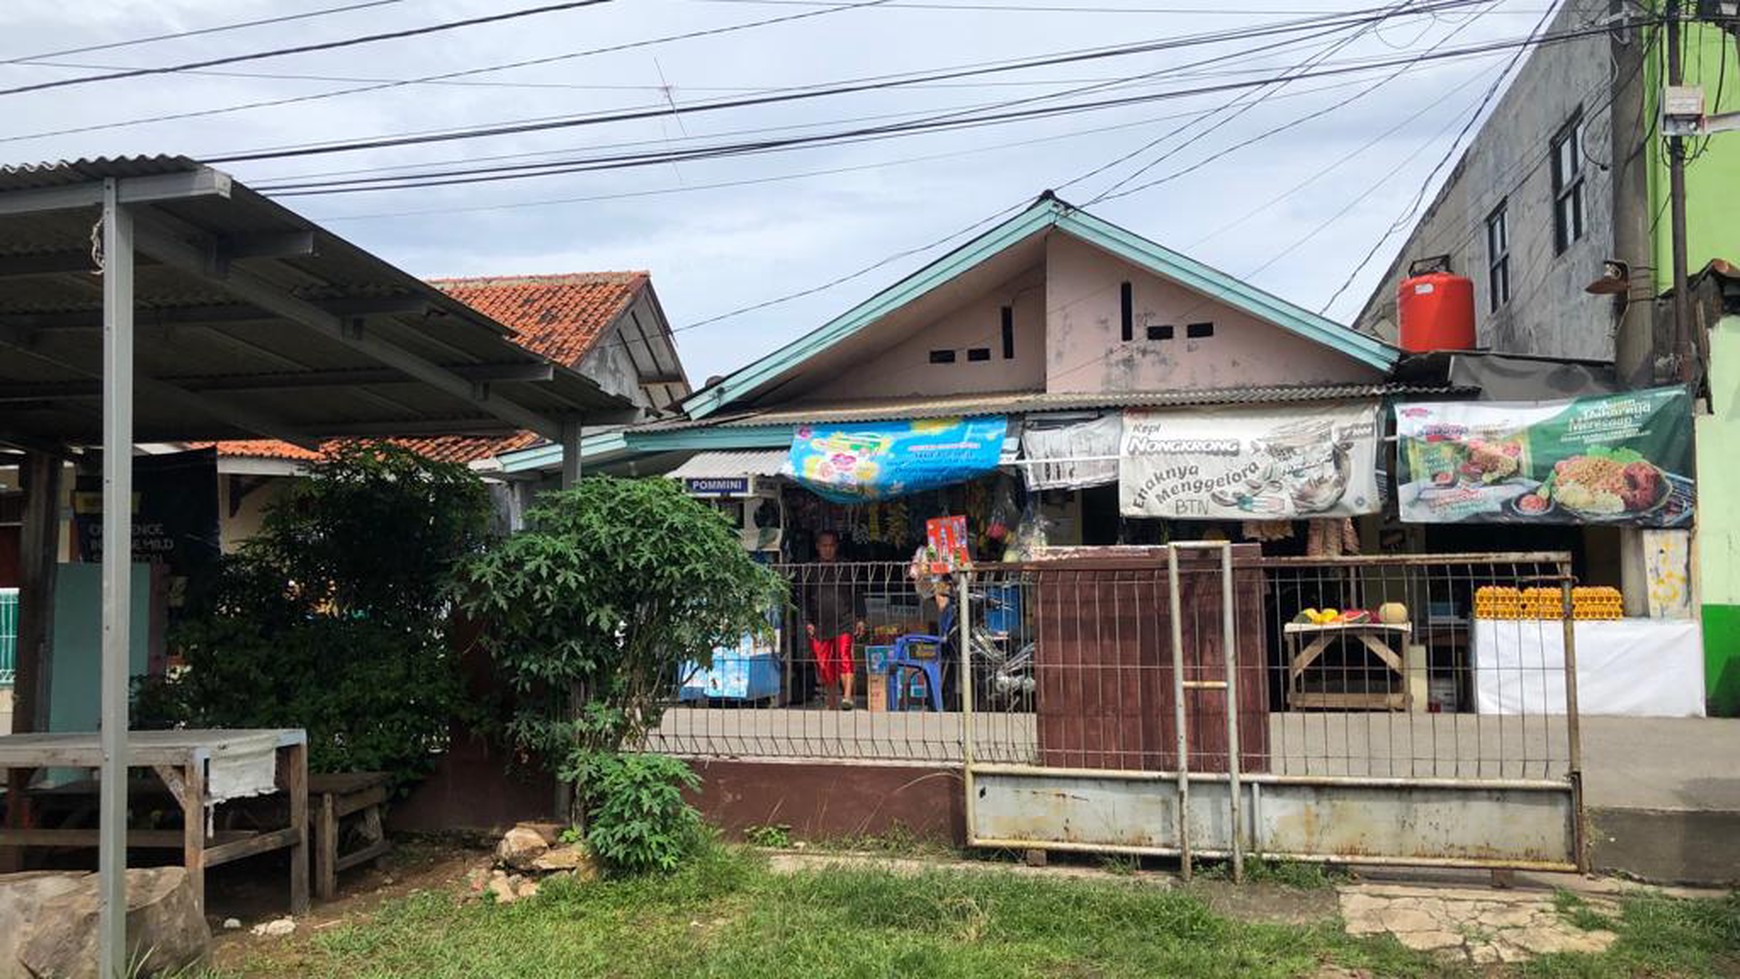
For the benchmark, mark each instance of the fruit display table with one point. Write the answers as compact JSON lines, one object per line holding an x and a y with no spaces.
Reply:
{"x":1308,"y":641}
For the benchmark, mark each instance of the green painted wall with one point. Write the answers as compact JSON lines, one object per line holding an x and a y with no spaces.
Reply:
{"x":1718,"y":536}
{"x":1710,"y":59}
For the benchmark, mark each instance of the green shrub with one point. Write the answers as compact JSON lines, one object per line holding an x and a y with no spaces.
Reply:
{"x":637,"y":820}
{"x":334,"y":617}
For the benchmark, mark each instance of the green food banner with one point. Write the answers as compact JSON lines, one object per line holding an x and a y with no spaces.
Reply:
{"x":1618,"y":459}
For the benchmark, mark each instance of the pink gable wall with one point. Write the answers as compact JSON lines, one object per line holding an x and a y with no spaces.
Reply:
{"x":1085,"y":351}
{"x":904,"y":369}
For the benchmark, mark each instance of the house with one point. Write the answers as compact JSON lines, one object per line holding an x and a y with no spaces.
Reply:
{"x":1559,"y":211}
{"x":1053,"y":318}
{"x":607,"y":325}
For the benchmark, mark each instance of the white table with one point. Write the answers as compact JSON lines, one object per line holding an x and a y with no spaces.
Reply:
{"x":1636,"y":667}
{"x":200,"y":769}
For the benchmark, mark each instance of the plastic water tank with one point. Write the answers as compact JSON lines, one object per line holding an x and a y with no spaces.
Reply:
{"x":1436,"y":310}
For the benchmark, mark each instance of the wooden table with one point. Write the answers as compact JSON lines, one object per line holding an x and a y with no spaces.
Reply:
{"x":201,"y":769}
{"x":1306,"y":642}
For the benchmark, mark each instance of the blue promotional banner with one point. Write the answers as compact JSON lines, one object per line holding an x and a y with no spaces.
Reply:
{"x":878,"y":460}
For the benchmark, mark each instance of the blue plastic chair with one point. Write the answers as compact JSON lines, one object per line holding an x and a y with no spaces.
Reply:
{"x":901,"y":662}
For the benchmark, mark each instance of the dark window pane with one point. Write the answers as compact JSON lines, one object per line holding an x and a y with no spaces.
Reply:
{"x":942,"y":356}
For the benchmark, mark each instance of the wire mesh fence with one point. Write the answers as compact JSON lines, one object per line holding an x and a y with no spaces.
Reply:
{"x":1410,"y":667}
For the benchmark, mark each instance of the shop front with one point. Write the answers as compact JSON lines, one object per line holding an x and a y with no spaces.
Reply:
{"x":869,"y":519}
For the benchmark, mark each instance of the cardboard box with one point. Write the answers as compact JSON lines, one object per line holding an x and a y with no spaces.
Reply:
{"x":876,"y":692}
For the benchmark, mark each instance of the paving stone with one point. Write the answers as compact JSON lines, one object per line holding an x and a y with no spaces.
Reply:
{"x":1405,"y":920}
{"x":1430,"y":941}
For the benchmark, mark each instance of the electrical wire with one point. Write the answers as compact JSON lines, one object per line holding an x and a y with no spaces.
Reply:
{"x":449,"y":77}
{"x":198,"y":32}
{"x":946,"y":120}
{"x":598,"y":119}
{"x":307,"y":48}
{"x":1449,"y":151}
{"x":1290,"y":124}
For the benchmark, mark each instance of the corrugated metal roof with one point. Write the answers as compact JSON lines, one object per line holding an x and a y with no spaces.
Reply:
{"x":753,"y":462}
{"x":195,"y":333}
{"x":1031,"y":402}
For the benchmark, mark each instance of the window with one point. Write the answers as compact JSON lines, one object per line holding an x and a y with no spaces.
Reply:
{"x":1498,"y":256}
{"x":942,"y":356}
{"x":976,"y":354}
{"x":1568,"y":166}
{"x":1197,"y":331}
{"x":1008,"y":333}
{"x":1161,"y":332}
{"x":1127,"y":310}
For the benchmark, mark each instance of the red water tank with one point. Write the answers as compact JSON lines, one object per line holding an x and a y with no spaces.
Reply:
{"x":1436,"y":310}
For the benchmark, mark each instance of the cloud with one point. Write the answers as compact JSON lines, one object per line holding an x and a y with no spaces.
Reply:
{"x":713,"y":250}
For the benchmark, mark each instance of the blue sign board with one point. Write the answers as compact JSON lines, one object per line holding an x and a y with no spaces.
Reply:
{"x":878,"y":460}
{"x":716,"y":485}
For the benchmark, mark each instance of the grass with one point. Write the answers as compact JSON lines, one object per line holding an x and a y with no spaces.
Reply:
{"x":1299,"y":875}
{"x":727,"y":914}
{"x":1658,"y":936}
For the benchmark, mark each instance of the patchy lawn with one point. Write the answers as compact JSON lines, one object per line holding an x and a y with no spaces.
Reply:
{"x":729,"y":914}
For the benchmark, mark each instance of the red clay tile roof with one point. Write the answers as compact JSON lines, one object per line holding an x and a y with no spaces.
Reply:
{"x":559,"y":316}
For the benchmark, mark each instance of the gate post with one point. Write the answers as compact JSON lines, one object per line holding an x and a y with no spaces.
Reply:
{"x":963,"y":621}
{"x":1573,"y":726}
{"x":1229,"y":639}
{"x":1179,"y":720}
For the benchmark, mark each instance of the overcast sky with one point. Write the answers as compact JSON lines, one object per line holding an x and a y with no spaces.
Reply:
{"x":792,"y":220}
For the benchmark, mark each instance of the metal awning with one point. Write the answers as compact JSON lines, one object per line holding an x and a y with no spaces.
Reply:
{"x":153,"y":299}
{"x":250,"y":321}
{"x":750,"y":462}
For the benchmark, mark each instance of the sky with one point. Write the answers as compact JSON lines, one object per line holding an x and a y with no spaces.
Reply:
{"x":1294,"y":210}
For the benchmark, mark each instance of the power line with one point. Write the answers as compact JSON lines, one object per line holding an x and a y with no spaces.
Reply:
{"x":306,"y":48}
{"x":1262,"y":93}
{"x":638,"y":114}
{"x":177,"y":35}
{"x":1040,"y":9}
{"x":448,"y":77}
{"x":946,"y":120}
{"x":1449,"y":151}
{"x":1290,"y":124}
{"x":475,"y":175}
{"x":802,"y":175}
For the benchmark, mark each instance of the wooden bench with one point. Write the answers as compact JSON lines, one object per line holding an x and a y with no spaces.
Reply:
{"x":341,"y":802}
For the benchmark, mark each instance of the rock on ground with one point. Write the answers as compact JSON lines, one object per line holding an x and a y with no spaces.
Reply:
{"x":520,"y":847}
{"x":48,"y":924}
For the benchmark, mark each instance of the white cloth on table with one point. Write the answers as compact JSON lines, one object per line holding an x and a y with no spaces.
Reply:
{"x":1636,"y":667}
{"x":243,"y":765}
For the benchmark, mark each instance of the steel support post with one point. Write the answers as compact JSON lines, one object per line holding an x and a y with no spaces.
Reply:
{"x":116,"y":577}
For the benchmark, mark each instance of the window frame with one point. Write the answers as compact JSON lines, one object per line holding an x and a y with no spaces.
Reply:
{"x":1498,"y":256}
{"x":1570,"y":220}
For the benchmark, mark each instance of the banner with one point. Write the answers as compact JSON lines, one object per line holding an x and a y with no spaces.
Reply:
{"x":1243,"y":464}
{"x":1620,"y":459}
{"x":1072,"y":456}
{"x":175,"y":517}
{"x":877,"y":460}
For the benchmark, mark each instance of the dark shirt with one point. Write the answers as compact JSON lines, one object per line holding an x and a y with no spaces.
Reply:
{"x":833,"y":599}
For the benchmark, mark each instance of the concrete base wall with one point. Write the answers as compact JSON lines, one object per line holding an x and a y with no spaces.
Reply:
{"x":1667,"y":846}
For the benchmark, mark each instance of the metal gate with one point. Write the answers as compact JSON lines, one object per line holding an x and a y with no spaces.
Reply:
{"x":1183,"y":706}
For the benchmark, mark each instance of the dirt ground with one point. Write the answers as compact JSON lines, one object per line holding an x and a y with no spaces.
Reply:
{"x":253,"y":899}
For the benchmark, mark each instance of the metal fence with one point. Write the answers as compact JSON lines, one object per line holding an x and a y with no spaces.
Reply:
{"x":1070,"y":664}
{"x":8,"y":635}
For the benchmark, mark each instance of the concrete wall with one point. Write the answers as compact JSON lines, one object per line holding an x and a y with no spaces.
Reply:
{"x":1085,"y":351}
{"x":1548,"y":313}
{"x":610,"y":364}
{"x":251,"y":499}
{"x":1718,"y":533}
{"x":905,"y":370}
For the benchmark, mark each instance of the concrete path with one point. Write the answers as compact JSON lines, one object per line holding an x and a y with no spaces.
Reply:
{"x":1478,"y":926}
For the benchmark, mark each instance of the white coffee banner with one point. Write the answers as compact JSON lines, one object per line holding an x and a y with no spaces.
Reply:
{"x":1285,"y":463}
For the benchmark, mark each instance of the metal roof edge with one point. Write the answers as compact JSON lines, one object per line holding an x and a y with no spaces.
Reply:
{"x":1163,"y":261}
{"x":622,"y":443}
{"x":1041,"y":215}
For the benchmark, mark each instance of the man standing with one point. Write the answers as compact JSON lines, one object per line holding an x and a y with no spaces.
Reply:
{"x":835,"y":618}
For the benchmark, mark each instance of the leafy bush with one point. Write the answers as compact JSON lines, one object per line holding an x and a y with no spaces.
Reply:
{"x":333,"y":617}
{"x":591,"y":610}
{"x":637,"y":819}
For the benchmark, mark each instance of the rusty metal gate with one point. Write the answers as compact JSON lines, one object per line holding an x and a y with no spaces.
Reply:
{"x":1181,"y":702}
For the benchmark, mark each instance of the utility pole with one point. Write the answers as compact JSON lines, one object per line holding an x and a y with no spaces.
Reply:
{"x":1677,"y":208}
